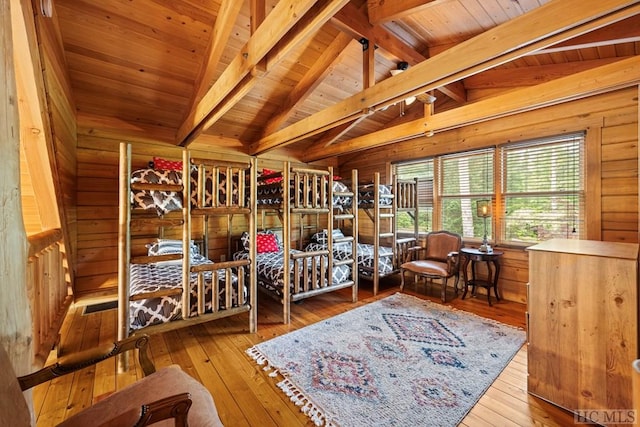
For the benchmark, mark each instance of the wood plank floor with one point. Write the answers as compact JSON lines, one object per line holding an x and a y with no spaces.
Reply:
{"x":214,"y":353}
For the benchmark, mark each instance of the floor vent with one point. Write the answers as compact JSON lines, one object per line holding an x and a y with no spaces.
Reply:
{"x":103,"y":306}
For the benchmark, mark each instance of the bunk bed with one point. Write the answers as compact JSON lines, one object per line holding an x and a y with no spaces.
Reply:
{"x":382,"y":203}
{"x":175,"y":284}
{"x":292,"y":274}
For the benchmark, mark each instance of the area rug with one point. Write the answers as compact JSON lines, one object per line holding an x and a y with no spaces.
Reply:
{"x":399,"y":361}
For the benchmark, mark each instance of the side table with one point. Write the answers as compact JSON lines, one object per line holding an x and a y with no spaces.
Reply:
{"x":491,"y":258}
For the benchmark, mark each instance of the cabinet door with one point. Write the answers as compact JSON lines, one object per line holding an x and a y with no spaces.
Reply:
{"x":582,"y":329}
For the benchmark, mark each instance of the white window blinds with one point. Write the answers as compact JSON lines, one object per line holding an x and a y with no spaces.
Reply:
{"x":542,"y":184}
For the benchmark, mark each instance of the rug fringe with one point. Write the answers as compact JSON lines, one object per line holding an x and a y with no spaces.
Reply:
{"x":261,"y":359}
{"x":296,"y":395}
{"x":307,"y":407}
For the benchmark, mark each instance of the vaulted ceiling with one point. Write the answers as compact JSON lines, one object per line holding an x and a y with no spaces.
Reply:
{"x":314,"y":76}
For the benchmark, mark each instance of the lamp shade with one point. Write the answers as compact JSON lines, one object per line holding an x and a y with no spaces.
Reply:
{"x":483,"y":208}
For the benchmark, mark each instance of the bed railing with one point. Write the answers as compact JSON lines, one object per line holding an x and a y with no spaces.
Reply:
{"x":49,"y":289}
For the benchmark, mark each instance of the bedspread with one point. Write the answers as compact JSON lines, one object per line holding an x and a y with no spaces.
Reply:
{"x":270,"y":269}
{"x":167,"y":201}
{"x":153,"y":277}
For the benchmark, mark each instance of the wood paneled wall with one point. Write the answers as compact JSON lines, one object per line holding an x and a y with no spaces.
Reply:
{"x":60,"y":125}
{"x":611,"y":122}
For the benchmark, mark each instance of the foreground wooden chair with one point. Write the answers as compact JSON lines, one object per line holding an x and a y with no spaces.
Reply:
{"x":441,"y":260}
{"x":168,"y":395}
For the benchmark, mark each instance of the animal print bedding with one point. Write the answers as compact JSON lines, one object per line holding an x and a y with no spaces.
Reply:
{"x":155,"y":276}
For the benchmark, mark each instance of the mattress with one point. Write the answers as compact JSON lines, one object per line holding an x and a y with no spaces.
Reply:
{"x":270,"y":270}
{"x":157,"y":276}
{"x":272,"y":194}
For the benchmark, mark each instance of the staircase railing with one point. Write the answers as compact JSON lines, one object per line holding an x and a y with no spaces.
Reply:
{"x":49,"y":289}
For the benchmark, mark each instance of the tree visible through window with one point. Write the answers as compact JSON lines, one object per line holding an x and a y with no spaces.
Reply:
{"x":423,"y":170}
{"x":543,"y":189}
{"x":465,"y":178}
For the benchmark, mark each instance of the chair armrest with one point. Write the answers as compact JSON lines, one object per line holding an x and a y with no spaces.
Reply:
{"x":176,"y":407}
{"x":170,"y":407}
{"x":77,"y":361}
{"x":453,"y":262}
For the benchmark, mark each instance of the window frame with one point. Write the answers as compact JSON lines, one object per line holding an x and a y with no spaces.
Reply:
{"x":496,"y":223}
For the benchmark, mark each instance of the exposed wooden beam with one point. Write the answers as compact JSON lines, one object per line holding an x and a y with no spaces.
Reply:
{"x":617,"y":75}
{"x":456,"y":91}
{"x":369,"y":64}
{"x":388,"y":135}
{"x":227,"y":15}
{"x":334,"y":134}
{"x":258,"y":13}
{"x":625,"y":31}
{"x":266,"y":40}
{"x":515,"y":77}
{"x":353,"y":21}
{"x":383,"y":11}
{"x":311,"y":80}
{"x":542,"y":27}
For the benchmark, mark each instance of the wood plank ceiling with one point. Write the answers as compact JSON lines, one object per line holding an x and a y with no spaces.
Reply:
{"x":315,"y":76}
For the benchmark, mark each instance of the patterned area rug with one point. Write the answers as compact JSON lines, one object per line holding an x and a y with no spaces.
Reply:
{"x":399,"y":361}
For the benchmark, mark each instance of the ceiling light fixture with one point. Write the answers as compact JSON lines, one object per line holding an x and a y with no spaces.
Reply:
{"x":424,"y":97}
{"x":46,"y":8}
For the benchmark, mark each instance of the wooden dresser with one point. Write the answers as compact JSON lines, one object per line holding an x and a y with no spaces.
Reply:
{"x":583,"y":323}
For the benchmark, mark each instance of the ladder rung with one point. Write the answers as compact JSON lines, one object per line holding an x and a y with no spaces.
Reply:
{"x":343,"y":194}
{"x":406,"y":240}
{"x":157,"y":222}
{"x":386,"y":215}
{"x":343,"y":216}
{"x":343,"y":262}
{"x":383,"y":235}
{"x":343,"y":239}
{"x":156,"y":294}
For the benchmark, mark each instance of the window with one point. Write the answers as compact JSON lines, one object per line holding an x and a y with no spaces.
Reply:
{"x":466,"y":178}
{"x":543,"y":189}
{"x":423,"y":170}
{"x":536,"y":191}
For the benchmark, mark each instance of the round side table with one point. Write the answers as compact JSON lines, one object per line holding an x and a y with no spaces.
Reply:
{"x":491,"y":259}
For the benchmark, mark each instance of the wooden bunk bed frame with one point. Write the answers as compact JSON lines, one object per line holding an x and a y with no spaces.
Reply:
{"x":404,"y":195}
{"x":316,"y":267}
{"x":228,"y":207}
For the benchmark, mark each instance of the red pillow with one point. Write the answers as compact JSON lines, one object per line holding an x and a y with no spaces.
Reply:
{"x":266,"y":242}
{"x":167,"y":165}
{"x":271,"y":180}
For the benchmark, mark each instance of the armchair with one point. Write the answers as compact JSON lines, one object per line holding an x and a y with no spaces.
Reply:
{"x":441,"y":260}
{"x":168,"y":395}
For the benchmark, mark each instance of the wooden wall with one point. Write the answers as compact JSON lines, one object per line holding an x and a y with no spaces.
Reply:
{"x":58,"y":127}
{"x":611,"y":122}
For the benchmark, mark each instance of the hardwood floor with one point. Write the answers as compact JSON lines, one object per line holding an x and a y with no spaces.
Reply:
{"x":214,"y":353}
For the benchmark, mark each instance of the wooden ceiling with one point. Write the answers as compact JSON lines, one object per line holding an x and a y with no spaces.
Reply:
{"x":315,"y":75}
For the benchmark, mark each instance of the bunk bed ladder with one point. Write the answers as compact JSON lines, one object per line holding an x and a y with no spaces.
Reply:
{"x":349,"y":214}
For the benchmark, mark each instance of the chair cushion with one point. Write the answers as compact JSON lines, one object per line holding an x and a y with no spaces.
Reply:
{"x":427,"y":267}
{"x":165,"y":382}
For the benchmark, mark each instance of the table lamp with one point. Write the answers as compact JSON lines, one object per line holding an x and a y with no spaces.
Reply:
{"x":483,"y":210}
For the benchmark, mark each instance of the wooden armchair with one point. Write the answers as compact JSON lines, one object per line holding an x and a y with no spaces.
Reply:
{"x":441,"y":260}
{"x":168,"y":395}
